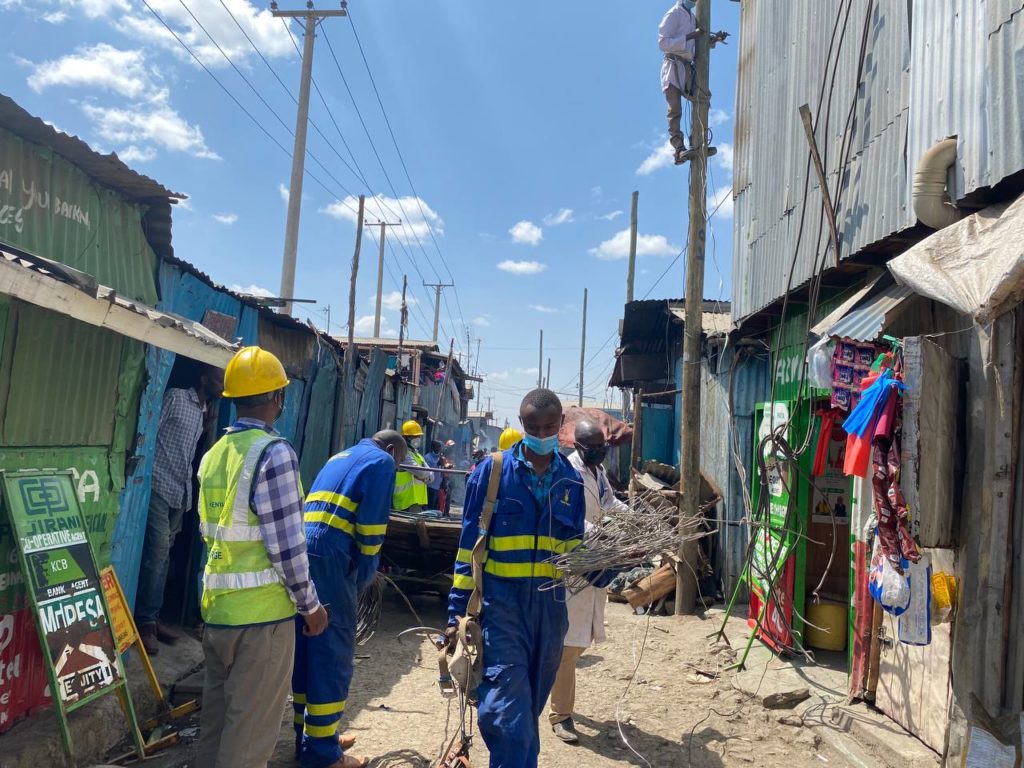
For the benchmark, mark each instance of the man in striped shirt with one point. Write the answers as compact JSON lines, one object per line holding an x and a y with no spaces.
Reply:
{"x":346,"y":519}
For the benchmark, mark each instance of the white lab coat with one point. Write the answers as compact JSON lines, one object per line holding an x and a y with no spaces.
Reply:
{"x":672,"y":32}
{"x":586,"y":608}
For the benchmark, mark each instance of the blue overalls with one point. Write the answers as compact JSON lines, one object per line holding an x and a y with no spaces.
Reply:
{"x":523,"y":626}
{"x":346,"y":518}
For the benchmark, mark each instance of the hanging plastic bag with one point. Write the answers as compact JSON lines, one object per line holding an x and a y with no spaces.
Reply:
{"x":943,"y":596}
{"x":886,"y":584}
{"x":915,"y":625}
{"x":819,"y":363}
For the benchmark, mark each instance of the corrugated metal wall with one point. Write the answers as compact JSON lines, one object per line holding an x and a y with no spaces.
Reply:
{"x":932,"y":69}
{"x":784,"y":48}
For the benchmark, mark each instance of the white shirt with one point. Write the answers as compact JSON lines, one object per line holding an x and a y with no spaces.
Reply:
{"x":672,"y":33}
{"x":586,"y":608}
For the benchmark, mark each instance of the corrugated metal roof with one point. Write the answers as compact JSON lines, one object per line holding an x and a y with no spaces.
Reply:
{"x":783,"y":51}
{"x":867,"y":321}
{"x":106,"y":169}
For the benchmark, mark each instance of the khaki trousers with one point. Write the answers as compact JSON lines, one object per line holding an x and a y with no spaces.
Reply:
{"x":563,"y":693}
{"x":248,"y":675}
{"x":674,"y":97}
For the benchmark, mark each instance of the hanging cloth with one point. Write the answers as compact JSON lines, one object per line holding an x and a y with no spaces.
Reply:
{"x":828,"y":421}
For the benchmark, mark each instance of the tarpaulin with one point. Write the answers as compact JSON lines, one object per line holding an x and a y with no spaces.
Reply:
{"x":618,"y":432}
{"x":23,"y":680}
{"x":975,"y":266}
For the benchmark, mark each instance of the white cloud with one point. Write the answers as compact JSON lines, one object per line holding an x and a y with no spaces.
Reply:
{"x":611,"y":216}
{"x":282,"y":190}
{"x":133,"y":154}
{"x":185,"y":205}
{"x":251,"y":290}
{"x":95,"y":9}
{"x":722,"y":200}
{"x":717,"y":117}
{"x":564,"y":216}
{"x":391,"y":301}
{"x":662,"y":157}
{"x":418,"y":218}
{"x":543,"y":308}
{"x":522,"y":267}
{"x":157,"y":124}
{"x":526,"y":371}
{"x":101,"y":66}
{"x":508,"y":374}
{"x":55,"y":17}
{"x":527,"y":233}
{"x":139,"y":24}
{"x":724,"y":156}
{"x":617,"y":246}
{"x":483,"y":321}
{"x":364,"y":327}
{"x":225,"y":218}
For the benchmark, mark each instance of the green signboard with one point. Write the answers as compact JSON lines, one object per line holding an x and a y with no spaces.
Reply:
{"x":65,"y":594}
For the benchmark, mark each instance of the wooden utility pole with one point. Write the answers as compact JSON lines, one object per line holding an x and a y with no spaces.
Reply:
{"x":630,"y":275}
{"x":380,"y":276}
{"x":540,"y":361}
{"x":583,"y":345}
{"x":547,"y":379}
{"x":476,"y":360}
{"x":689,"y":451}
{"x":350,"y":356}
{"x":309,"y":20}
{"x":438,"y":287}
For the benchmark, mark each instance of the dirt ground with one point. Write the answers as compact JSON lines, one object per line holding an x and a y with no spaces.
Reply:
{"x":670,"y":714}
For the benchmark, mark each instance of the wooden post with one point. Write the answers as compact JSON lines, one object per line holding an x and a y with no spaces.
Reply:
{"x":583,"y":345}
{"x":689,"y":453}
{"x":632,"y":248}
{"x":350,"y":351}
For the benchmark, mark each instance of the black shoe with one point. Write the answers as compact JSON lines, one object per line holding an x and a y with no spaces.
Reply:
{"x":566,"y":731}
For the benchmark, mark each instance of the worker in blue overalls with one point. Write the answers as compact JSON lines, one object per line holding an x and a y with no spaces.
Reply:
{"x":539,"y":513}
{"x":346,"y":518}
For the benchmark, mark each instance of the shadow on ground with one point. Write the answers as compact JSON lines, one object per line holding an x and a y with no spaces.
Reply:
{"x":654,"y":751}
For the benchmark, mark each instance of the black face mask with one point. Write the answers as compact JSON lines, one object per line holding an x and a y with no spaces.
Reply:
{"x":593,"y":456}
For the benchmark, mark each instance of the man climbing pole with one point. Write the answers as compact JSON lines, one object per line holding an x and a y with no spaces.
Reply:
{"x":677,"y":70}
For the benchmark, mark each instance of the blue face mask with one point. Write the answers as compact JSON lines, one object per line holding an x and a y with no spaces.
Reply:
{"x":687,"y":4}
{"x":541,"y":446}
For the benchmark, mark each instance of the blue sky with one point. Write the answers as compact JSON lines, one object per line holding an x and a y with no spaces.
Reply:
{"x":524,"y":128}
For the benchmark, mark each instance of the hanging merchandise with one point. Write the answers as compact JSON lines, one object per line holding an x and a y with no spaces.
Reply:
{"x":851,"y":362}
{"x":887,"y":584}
{"x":828,"y":421}
{"x":943,"y":596}
{"x":820,"y":362}
{"x":915,"y":625}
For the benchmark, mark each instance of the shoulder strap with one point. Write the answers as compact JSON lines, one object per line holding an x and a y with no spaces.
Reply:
{"x":480,"y":548}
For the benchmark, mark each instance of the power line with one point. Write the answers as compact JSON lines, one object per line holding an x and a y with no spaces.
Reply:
{"x":405,"y":167}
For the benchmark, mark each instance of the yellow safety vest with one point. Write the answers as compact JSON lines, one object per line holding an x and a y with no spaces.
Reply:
{"x":240,"y":585}
{"x":409,"y":490}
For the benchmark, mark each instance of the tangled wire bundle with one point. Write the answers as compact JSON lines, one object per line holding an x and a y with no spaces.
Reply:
{"x":368,"y":608}
{"x":627,"y":539}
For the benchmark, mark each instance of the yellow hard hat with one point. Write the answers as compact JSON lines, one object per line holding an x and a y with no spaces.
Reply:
{"x":412,"y":428}
{"x":508,"y":438}
{"x":253,"y":371}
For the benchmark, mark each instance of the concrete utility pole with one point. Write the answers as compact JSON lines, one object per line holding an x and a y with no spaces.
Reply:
{"x":438,"y":287}
{"x":540,"y":361}
{"x":350,"y":357}
{"x":689,"y":452}
{"x":547,"y":378}
{"x":583,"y":345}
{"x":380,"y":276}
{"x":308,"y":19}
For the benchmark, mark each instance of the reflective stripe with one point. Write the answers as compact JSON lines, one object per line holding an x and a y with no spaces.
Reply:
{"x":234,"y":533}
{"x":369,"y":549}
{"x":331,"y":519}
{"x":321,"y":731}
{"x":405,"y":486}
{"x":298,"y":698}
{"x":522,"y":570}
{"x":463,"y":582}
{"x":298,"y":719}
{"x":217,"y":580}
{"x":464,"y":555}
{"x":514,"y":543}
{"x":337,"y":499}
{"x":243,"y":490}
{"x":510,"y":543}
{"x":371,"y":530}
{"x":330,"y":708}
